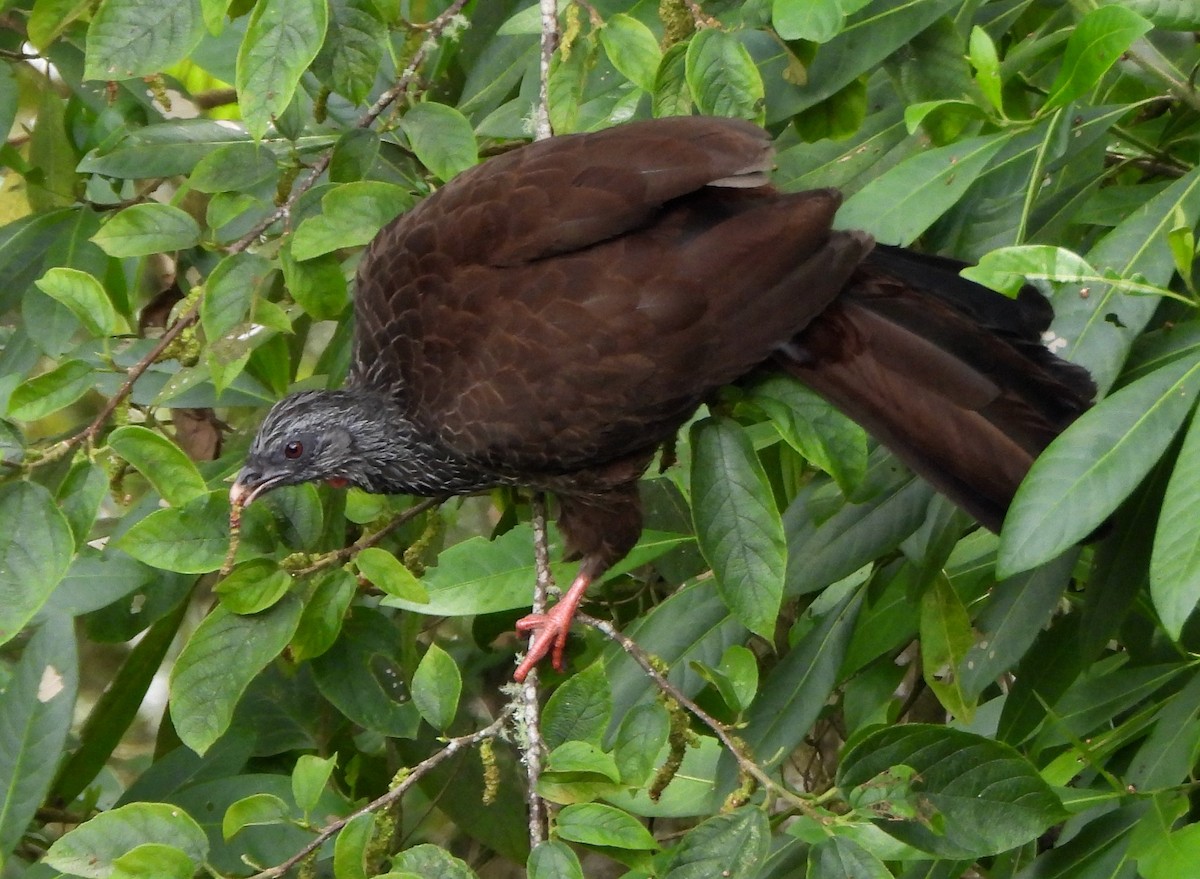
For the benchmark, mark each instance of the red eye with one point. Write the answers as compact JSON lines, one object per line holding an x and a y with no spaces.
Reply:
{"x":293,"y":449}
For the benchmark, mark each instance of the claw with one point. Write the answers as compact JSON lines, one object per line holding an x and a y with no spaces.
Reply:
{"x":550,"y":629}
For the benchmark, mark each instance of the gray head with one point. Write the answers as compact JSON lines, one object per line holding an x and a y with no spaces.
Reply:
{"x":313,"y":436}
{"x":348,"y":437}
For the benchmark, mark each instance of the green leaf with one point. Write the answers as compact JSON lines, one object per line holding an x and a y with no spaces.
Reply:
{"x":671,"y":96}
{"x":737,"y":524}
{"x":1097,"y":41}
{"x":129,"y":38}
{"x":1166,"y":853}
{"x":51,"y":391}
{"x":160,"y":150}
{"x":163,"y":463}
{"x":1094,"y":465}
{"x":323,"y":615}
{"x":351,"y":215}
{"x":582,"y":758}
{"x":552,"y":859}
{"x":191,"y":539}
{"x":840,"y":858}
{"x":79,"y":498}
{"x":229,"y":291}
{"x":1098,"y":696}
{"x":815,"y":429}
{"x":736,"y":678}
{"x":899,"y":205}
{"x":794,"y":693}
{"x":430,"y":862}
{"x":640,"y":738}
{"x":945,"y":640}
{"x":441,"y":137}
{"x":858,"y":47}
{"x":386,"y":572}
{"x":479,"y":576}
{"x":1175,"y":562}
{"x":732,"y":845}
{"x":86,"y":298}
{"x":234,"y":167}
{"x":1181,"y":15}
{"x":1009,"y":268}
{"x":36,"y":708}
{"x":1165,"y":756}
{"x":143,"y":229}
{"x":117,"y":708}
{"x":815,"y":20}
{"x":282,"y":39}
{"x":350,"y":848}
{"x":218,"y":662}
{"x":318,"y":285}
{"x":981,"y":796}
{"x":353,"y":48}
{"x":1016,"y":611}
{"x":632,"y":49}
{"x":354,"y":155}
{"x":253,"y":586}
{"x":362,"y":675}
{"x":35,"y":550}
{"x":52,"y":154}
{"x":91,"y":849}
{"x":722,"y":77}
{"x":597,"y":824}
{"x":254,"y":810}
{"x":436,"y":686}
{"x":579,"y":710}
{"x":982,"y":54}
{"x":310,"y":775}
{"x":9,"y":90}
{"x":154,"y":860}
{"x":48,"y":19}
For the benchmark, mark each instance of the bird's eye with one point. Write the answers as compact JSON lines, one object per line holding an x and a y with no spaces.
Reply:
{"x":293,"y":449}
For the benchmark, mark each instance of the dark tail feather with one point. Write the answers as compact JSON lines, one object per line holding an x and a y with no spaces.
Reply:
{"x":953,"y":377}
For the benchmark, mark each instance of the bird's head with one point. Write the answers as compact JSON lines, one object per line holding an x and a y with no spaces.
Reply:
{"x":313,"y":436}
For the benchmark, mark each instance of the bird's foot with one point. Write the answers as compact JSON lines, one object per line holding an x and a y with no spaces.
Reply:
{"x":549,"y":630}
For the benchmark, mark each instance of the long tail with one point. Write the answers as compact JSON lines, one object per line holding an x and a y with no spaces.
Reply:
{"x":953,"y":377}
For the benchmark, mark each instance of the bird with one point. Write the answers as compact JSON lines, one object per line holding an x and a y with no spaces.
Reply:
{"x":551,"y":317}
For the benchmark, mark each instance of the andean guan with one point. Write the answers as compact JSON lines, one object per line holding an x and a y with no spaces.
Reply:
{"x":552,"y":316}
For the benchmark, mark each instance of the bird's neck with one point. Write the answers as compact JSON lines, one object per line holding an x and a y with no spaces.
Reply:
{"x":399,"y":456}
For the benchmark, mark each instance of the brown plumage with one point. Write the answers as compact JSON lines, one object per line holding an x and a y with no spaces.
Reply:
{"x":552,"y":316}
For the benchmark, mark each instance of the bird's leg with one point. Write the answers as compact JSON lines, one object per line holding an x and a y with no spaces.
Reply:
{"x":550,"y":629}
{"x":599,"y":529}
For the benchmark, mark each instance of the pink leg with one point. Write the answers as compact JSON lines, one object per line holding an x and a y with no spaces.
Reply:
{"x":551,"y":628}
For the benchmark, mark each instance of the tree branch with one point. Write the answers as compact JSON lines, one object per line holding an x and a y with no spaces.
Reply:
{"x":453,"y":746}
{"x":534,"y":746}
{"x":745,"y":763}
{"x":341,"y":556}
{"x":541,"y":113}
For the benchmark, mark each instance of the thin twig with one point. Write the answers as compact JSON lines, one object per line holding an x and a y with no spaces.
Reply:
{"x":541,"y":113}
{"x":89,"y":433}
{"x":341,"y":556}
{"x":1184,"y":91}
{"x":534,"y":745}
{"x":453,"y":746}
{"x":736,"y":748}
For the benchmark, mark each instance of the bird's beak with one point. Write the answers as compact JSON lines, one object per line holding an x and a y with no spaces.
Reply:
{"x":249,"y":485}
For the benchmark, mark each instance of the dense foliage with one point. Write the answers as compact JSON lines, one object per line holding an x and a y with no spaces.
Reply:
{"x":187,"y":187}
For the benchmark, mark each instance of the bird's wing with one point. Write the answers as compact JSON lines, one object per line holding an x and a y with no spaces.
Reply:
{"x":572,"y":301}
